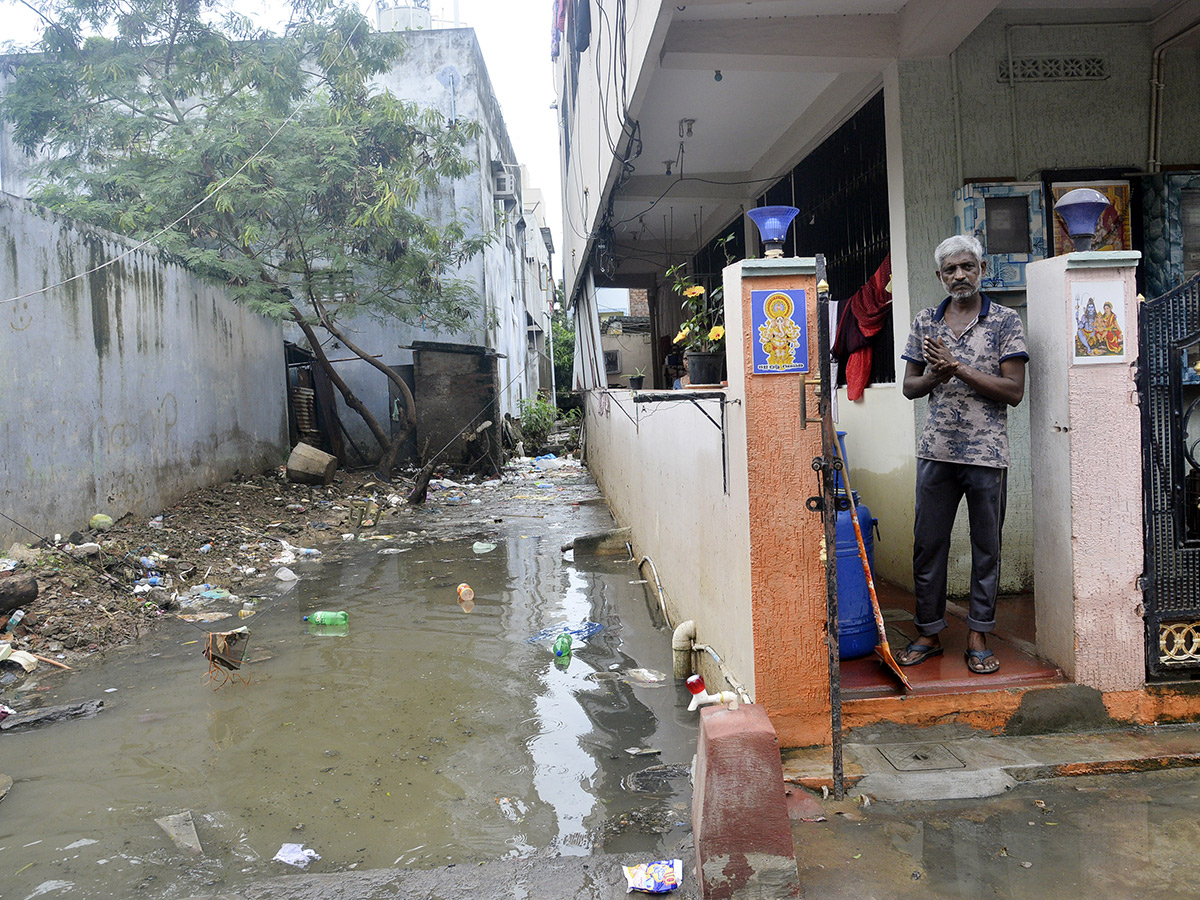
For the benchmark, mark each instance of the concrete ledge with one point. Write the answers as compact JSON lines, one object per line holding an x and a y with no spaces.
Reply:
{"x":949,"y":769}
{"x":744,"y":847}
{"x":602,"y":543}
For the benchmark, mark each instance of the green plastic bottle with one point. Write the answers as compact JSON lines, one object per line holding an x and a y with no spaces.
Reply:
{"x":324,"y":617}
{"x":562,"y":645}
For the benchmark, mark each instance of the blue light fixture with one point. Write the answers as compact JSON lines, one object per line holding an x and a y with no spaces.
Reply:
{"x":773,"y":222}
{"x":1081,"y":210}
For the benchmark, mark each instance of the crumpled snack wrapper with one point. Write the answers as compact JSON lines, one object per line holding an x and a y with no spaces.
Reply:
{"x":295,"y":855}
{"x":656,"y":877}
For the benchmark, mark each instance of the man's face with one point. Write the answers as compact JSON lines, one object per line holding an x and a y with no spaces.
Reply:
{"x":961,"y":275}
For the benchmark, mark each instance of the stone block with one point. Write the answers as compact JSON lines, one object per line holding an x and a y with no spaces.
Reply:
{"x":740,"y":820}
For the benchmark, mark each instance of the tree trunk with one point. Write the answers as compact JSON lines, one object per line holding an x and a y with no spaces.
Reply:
{"x":352,"y":401}
{"x":408,"y":419}
{"x":388,"y":462}
{"x":421,"y":487}
{"x":308,"y":465}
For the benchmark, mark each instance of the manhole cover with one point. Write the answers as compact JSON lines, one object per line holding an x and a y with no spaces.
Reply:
{"x":922,"y":758}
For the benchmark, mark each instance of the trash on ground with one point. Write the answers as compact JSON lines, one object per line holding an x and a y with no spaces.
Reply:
{"x":645,"y":676}
{"x":26,"y":661}
{"x":390,"y":551}
{"x":181,"y":829}
{"x":295,"y":855}
{"x":483,"y":547}
{"x":286,"y":574}
{"x":328,"y":617}
{"x":656,"y":877}
{"x":562,"y":645}
{"x":656,"y":779}
{"x":100,"y":522}
{"x":291,"y":554}
{"x":204,"y":617}
{"x":5,"y":712}
{"x":47,"y":714}
{"x":642,"y":751}
{"x":225,"y":652}
{"x":466,"y":597}
{"x":583,"y":631}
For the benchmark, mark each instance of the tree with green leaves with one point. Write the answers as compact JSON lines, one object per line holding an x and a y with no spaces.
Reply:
{"x":269,"y":162}
{"x":562,"y":340}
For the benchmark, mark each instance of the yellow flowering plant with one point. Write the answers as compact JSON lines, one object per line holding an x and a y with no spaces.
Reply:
{"x":703,"y":329}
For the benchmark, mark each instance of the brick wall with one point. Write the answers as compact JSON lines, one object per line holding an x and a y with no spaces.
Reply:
{"x":456,"y":390}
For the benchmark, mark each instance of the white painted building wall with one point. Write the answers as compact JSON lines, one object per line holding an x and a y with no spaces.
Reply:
{"x":659,"y":466}
{"x":589,"y":120}
{"x":124,"y":388}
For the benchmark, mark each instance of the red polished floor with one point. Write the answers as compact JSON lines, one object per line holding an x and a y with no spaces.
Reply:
{"x":1012,"y":642}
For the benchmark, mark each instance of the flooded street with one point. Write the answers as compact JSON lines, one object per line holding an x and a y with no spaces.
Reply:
{"x":424,"y":736}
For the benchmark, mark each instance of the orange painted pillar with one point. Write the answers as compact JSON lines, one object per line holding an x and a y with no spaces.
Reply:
{"x":787,"y":576}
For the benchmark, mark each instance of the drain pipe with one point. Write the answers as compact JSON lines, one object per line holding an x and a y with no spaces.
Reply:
{"x":681,"y":649}
{"x":662,"y":598}
{"x":683,"y":643}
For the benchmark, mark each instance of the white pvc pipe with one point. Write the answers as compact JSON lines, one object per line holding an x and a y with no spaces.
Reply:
{"x":681,"y":648}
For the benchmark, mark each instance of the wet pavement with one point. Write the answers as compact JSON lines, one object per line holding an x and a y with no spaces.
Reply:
{"x":1118,"y":837}
{"x":424,"y":737}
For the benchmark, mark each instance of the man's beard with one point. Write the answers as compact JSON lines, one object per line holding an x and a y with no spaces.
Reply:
{"x":964,"y":291}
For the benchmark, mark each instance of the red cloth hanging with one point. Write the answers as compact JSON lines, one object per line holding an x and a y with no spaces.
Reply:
{"x":861,"y":318}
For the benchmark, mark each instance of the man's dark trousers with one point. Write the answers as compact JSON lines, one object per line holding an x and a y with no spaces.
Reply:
{"x":940,"y":488}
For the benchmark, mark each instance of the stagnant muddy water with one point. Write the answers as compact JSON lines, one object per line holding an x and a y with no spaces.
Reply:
{"x":425,"y":736}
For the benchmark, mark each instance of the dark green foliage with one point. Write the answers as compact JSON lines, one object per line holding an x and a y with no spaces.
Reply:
{"x":562,"y":339}
{"x":537,"y":421}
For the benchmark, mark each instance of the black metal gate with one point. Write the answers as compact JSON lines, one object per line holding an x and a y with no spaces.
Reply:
{"x":1169,"y":385}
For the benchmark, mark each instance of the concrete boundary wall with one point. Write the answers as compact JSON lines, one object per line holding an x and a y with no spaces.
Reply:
{"x":659,"y":466}
{"x":126,"y":388}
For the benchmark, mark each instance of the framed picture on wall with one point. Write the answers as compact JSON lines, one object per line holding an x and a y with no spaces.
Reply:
{"x":1114,"y":231}
{"x":1099,"y":322}
{"x":1009,"y":220}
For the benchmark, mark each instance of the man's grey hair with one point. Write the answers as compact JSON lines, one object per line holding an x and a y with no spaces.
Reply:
{"x":959,"y":243}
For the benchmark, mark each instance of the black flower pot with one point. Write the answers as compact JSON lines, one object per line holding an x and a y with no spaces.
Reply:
{"x":705,"y":368}
{"x":636,"y":382}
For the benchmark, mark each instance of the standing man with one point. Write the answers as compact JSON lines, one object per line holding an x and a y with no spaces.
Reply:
{"x":968,"y":356}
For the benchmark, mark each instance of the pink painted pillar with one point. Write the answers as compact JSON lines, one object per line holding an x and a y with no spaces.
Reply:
{"x":1085,"y":430}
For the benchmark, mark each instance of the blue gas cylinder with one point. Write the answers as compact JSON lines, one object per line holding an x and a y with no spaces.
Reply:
{"x":857,"y":632}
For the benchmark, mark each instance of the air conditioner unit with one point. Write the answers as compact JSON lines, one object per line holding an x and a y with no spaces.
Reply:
{"x":506,"y":185}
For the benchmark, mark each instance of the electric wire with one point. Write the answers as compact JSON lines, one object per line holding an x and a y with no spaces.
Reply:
{"x":300,"y":105}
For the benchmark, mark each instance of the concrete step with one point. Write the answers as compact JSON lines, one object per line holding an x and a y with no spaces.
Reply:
{"x":965,"y":767}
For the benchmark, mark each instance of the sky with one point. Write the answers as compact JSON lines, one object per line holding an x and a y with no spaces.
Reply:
{"x":515,"y":38}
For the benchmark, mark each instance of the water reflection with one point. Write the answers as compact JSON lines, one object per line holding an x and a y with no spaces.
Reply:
{"x":425,"y":735}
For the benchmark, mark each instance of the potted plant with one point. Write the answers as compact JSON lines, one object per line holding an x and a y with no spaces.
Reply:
{"x":637,"y":379}
{"x":702,"y":334}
